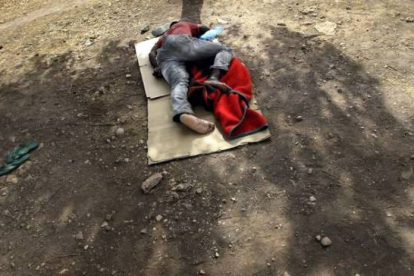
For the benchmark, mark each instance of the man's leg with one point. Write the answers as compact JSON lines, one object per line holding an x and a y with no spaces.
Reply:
{"x":177,"y":76}
{"x":223,"y":55}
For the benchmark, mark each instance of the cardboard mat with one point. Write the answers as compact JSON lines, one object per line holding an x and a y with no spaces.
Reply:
{"x":168,"y":140}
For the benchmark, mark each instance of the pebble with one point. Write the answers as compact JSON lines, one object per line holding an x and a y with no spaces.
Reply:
{"x":79,"y":236}
{"x":409,"y":20}
{"x":222,"y":21}
{"x":310,"y":171}
{"x":233,"y":199}
{"x":144,"y":231}
{"x":145,"y":29}
{"x":12,"y":179}
{"x":202,"y":272}
{"x":106,"y":226}
{"x":326,"y":242}
{"x":199,"y":190}
{"x":88,"y":42}
{"x":128,"y":76}
{"x":318,"y":237}
{"x":158,"y":217}
{"x":120,"y":131}
{"x":298,"y":118}
{"x":180,"y":188}
{"x":406,"y":175}
{"x":312,"y":198}
{"x":327,"y":28}
{"x":151,"y":182}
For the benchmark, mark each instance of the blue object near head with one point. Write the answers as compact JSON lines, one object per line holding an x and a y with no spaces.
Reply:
{"x":212,"y":33}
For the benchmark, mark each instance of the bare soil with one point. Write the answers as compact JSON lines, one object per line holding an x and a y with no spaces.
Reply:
{"x":340,"y":113}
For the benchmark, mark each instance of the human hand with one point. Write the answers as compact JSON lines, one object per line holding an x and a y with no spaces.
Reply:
{"x":157,"y":72}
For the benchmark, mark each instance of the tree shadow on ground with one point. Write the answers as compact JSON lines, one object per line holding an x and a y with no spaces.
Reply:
{"x":335,"y":139}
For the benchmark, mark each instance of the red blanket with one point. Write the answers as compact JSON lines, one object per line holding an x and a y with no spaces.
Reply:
{"x":231,"y":109}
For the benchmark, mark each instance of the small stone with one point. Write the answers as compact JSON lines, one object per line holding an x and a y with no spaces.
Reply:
{"x":312,"y":199}
{"x":199,"y":190}
{"x":144,"y":231}
{"x":130,"y":107}
{"x":179,"y":188}
{"x":216,"y":255}
{"x":86,"y":247}
{"x":202,"y":272}
{"x":12,"y":179}
{"x":106,"y":226}
{"x":326,"y":242}
{"x":88,"y":42}
{"x":151,"y":182}
{"x":82,"y":115}
{"x":281,"y":24}
{"x":318,"y":237}
{"x":145,"y":29}
{"x":63,"y":271}
{"x":158,"y":218}
{"x":357,"y":274}
{"x":310,"y":171}
{"x":120,"y":131}
{"x":412,"y":157}
{"x":406,"y":175}
{"x":298,"y":119}
{"x":234,"y":199}
{"x":409,"y":20}
{"x":79,"y":236}
{"x":108,"y":217}
{"x":222,"y":21}
{"x":327,"y":28}
{"x":128,"y":76}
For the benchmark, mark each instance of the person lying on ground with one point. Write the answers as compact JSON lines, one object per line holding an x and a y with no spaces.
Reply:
{"x":178,"y":46}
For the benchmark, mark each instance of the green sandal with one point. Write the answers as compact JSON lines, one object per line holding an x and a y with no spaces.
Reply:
{"x":17,"y":156}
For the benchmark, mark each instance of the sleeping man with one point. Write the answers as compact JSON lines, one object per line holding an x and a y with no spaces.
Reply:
{"x":178,"y":46}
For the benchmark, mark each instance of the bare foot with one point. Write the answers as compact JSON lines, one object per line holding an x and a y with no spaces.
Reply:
{"x":218,"y":84}
{"x":198,"y":125}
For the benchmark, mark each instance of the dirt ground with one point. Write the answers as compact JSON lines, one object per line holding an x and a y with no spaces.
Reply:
{"x":339,"y":163}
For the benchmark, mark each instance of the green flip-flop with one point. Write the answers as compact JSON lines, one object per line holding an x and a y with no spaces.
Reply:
{"x":21,"y":150}
{"x":5,"y":169}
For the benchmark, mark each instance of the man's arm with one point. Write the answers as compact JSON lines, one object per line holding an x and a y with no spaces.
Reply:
{"x":153,"y":59}
{"x":153,"y":56}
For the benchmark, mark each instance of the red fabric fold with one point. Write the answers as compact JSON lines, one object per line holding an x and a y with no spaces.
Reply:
{"x":231,"y":109}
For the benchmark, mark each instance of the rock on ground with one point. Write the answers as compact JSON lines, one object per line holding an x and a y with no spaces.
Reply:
{"x":151,"y":182}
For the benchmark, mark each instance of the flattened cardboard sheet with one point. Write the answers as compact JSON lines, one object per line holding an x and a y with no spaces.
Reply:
{"x":168,"y":140}
{"x":143,"y":49}
{"x":154,"y":88}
